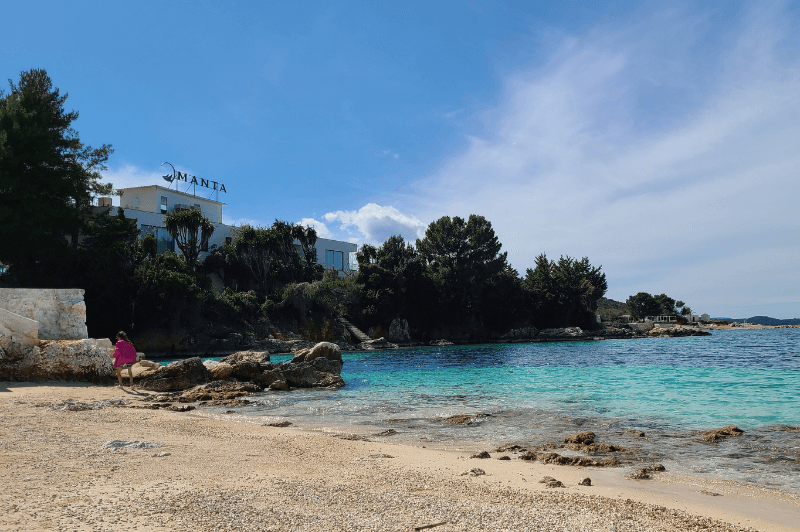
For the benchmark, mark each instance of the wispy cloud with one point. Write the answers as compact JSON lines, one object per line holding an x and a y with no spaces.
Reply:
{"x":649,"y":151}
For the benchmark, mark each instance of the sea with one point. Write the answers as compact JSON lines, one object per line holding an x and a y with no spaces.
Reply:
{"x":535,"y":394}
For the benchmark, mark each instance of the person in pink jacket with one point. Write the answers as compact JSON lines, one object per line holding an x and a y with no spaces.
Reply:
{"x":124,"y":357}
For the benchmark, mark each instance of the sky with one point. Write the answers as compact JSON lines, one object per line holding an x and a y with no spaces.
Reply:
{"x":659,"y":139}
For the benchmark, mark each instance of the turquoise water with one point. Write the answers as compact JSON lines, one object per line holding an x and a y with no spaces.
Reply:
{"x":537,"y":393}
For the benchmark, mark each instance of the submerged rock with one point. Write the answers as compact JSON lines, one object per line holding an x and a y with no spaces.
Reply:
{"x":715,"y":435}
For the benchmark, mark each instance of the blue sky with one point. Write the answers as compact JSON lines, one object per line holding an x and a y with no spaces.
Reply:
{"x":660,"y":140}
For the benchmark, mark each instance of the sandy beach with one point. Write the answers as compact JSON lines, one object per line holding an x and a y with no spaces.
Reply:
{"x":62,"y":470}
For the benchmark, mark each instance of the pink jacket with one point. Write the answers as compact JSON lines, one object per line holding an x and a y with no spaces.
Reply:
{"x":125,"y":353}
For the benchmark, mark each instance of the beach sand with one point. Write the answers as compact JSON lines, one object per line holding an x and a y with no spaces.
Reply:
{"x":229,"y":474}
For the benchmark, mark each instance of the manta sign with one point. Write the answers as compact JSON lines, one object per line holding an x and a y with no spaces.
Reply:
{"x":191,"y":179}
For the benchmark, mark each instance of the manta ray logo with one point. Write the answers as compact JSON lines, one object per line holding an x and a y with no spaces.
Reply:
{"x":169,"y":178}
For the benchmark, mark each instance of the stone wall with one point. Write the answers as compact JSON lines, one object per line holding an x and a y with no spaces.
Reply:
{"x":61,"y":313}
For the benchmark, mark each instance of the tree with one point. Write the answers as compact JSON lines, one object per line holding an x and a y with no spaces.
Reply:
{"x":191,"y":231}
{"x":47,"y":175}
{"x":463,"y":257}
{"x":667,"y":305}
{"x":271,"y":256}
{"x":642,"y":305}
{"x":565,"y":292}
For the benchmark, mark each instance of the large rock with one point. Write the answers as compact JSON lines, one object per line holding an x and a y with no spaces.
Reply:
{"x":72,"y":360}
{"x":177,"y":376}
{"x":398,"y":331}
{"x":378,"y":343}
{"x":327,"y":350}
{"x":241,"y":356}
{"x":566,"y":332}
{"x":61,"y":313}
{"x":523,"y":333}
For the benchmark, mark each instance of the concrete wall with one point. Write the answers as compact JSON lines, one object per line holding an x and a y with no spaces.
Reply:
{"x":61,"y":313}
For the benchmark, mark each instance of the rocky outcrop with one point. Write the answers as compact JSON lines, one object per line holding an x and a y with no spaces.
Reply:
{"x":676,"y":332}
{"x":715,"y":435}
{"x":442,"y":342}
{"x":61,"y":313}
{"x":523,"y":333}
{"x":73,"y":360}
{"x":398,"y":331}
{"x":379,"y":343}
{"x":177,"y":376}
{"x":317,"y":367}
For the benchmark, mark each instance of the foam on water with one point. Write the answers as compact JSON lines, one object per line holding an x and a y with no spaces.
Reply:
{"x":538,"y":393}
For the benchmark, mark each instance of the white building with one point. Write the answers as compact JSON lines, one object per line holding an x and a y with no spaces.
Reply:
{"x":149,"y":205}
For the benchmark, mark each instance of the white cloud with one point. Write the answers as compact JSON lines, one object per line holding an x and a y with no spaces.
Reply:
{"x":127,"y":176}
{"x":375,"y":223}
{"x":676,"y":181}
{"x":321,"y":228}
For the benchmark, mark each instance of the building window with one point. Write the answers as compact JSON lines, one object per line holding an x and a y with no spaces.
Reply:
{"x":3,"y":269}
{"x":163,"y":204}
{"x":338,"y":260}
{"x":328,"y":258}
{"x":163,"y":239}
{"x":136,"y":201}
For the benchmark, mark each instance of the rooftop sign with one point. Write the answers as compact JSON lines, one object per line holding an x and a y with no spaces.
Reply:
{"x":191,"y":179}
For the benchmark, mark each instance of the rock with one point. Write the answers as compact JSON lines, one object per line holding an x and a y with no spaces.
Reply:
{"x":177,"y":376}
{"x":524,"y":333}
{"x":482,"y":454}
{"x":325,"y":350}
{"x":60,"y":312}
{"x":550,"y":482}
{"x":387,"y":432}
{"x":554,"y":458}
{"x":161,"y":454}
{"x":567,"y":332}
{"x":218,"y":391}
{"x":715,"y":435}
{"x":279,"y":386}
{"x":398,"y":331}
{"x":220,"y":370}
{"x":474,"y":472}
{"x":634,"y":433}
{"x":586,"y":481}
{"x":116,"y":445}
{"x":582,"y":438}
{"x":280,"y":424}
{"x":644,"y":472}
{"x":441,"y":342}
{"x":505,"y":457}
{"x":259,"y":357}
{"x":380,"y":343}
{"x":70,"y":360}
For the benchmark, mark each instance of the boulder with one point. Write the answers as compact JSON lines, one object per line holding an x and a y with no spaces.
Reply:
{"x":715,"y":435}
{"x":582,"y":438}
{"x":566,"y":332}
{"x":326,"y":350}
{"x":177,"y":376}
{"x":398,"y":331}
{"x":379,"y":343}
{"x":220,"y":370}
{"x":70,"y":360}
{"x":241,"y":356}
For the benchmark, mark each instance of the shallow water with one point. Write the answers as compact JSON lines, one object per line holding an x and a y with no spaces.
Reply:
{"x":538,"y":393}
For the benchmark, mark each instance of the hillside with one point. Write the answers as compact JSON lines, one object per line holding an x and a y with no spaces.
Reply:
{"x":762,"y":320}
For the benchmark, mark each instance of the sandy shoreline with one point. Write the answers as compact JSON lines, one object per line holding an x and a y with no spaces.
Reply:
{"x":226,"y":475}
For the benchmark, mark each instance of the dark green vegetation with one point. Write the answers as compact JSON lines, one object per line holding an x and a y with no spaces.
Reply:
{"x":453,"y":283}
{"x":643,"y":304}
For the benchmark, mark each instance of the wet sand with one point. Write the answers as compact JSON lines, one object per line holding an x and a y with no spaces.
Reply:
{"x":226,"y":474}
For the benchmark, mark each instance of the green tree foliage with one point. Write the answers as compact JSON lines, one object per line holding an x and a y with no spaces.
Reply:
{"x":395,"y":284}
{"x":191,"y":231}
{"x":564,"y":292}
{"x":109,"y":259}
{"x":642,"y":305}
{"x":463,"y":257}
{"x":667,"y":305}
{"x":47,"y":175}
{"x":267,"y":258}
